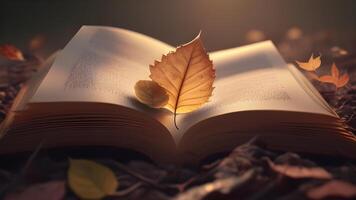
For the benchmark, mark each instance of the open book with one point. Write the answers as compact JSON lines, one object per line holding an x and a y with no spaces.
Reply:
{"x":85,"y":96}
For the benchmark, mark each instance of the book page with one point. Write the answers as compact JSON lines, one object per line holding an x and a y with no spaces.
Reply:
{"x":100,"y":64}
{"x":253,"y":77}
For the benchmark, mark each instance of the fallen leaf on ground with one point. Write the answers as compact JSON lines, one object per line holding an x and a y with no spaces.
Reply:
{"x":311,"y":65}
{"x":334,"y":188}
{"x":11,"y":52}
{"x":151,"y":94}
{"x":91,"y":180}
{"x":335,"y":77}
{"x":300,"y":171}
{"x":187,"y":75}
{"x":54,"y":190}
{"x":223,"y":186}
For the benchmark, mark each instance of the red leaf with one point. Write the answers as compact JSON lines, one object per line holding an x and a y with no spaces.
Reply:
{"x":333,"y":188}
{"x":11,"y":52}
{"x":54,"y":190}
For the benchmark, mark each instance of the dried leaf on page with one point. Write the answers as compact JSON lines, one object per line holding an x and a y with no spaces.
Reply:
{"x":187,"y":75}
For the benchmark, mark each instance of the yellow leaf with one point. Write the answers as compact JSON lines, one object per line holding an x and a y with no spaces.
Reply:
{"x":151,"y":94}
{"x":187,"y":75}
{"x":90,"y":180}
{"x":311,"y":65}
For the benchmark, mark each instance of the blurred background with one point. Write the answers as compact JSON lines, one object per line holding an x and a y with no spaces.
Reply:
{"x":298,"y":28}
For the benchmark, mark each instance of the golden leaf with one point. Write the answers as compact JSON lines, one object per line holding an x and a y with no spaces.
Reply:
{"x":187,"y":75}
{"x":151,"y":94}
{"x":335,"y":78}
{"x":11,"y":52}
{"x":90,"y":180}
{"x":311,"y":65}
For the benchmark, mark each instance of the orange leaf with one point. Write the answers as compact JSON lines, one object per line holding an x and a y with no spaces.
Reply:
{"x":11,"y":52}
{"x":187,"y":75}
{"x":300,"y":172}
{"x":335,"y":71}
{"x":344,"y":79}
{"x":327,"y":79}
{"x":151,"y":94}
{"x":311,"y":65}
{"x":334,"y":188}
{"x":335,"y":78}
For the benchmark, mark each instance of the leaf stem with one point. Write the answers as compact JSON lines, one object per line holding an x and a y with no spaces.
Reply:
{"x":174,"y":120}
{"x":180,"y":88}
{"x":127,"y":191}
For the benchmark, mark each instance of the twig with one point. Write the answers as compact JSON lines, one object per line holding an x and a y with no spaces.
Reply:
{"x":182,"y":186}
{"x":31,"y":158}
{"x":212,"y":165}
{"x":125,"y":192}
{"x":140,"y":177}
